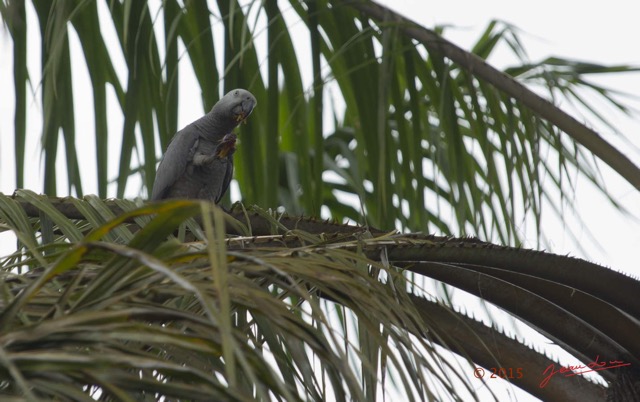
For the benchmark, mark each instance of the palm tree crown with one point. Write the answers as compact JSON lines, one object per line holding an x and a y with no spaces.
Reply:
{"x":398,"y":130}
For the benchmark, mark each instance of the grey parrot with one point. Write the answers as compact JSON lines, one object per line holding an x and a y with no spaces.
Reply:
{"x":198,"y":163}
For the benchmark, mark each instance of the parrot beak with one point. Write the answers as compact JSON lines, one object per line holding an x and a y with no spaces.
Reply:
{"x":241,"y":116}
{"x":243,"y":110}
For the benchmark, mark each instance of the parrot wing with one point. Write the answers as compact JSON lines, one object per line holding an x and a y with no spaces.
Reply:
{"x":174,"y":162}
{"x":228,"y":174}
{"x":224,"y":152}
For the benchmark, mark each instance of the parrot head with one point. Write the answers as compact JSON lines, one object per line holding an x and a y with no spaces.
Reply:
{"x":231,"y":110}
{"x":240,"y":103}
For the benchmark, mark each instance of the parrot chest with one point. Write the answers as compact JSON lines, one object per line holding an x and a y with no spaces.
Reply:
{"x":205,"y":181}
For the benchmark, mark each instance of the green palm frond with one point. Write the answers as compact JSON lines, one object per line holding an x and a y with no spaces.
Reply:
{"x":417,"y":120}
{"x":119,"y":317}
{"x":363,"y":116}
{"x":179,"y":316}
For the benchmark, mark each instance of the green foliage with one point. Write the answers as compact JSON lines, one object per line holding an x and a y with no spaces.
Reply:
{"x":193,"y":320}
{"x":419,"y":142}
{"x":118,"y":308}
{"x":157,"y":301}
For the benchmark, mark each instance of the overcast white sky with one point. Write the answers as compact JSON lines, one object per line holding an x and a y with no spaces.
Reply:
{"x":599,"y":32}
{"x":605,"y":33}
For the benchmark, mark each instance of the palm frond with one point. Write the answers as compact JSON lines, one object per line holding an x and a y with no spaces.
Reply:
{"x":418,"y":121}
{"x":372,"y":119}
{"x":166,"y":305}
